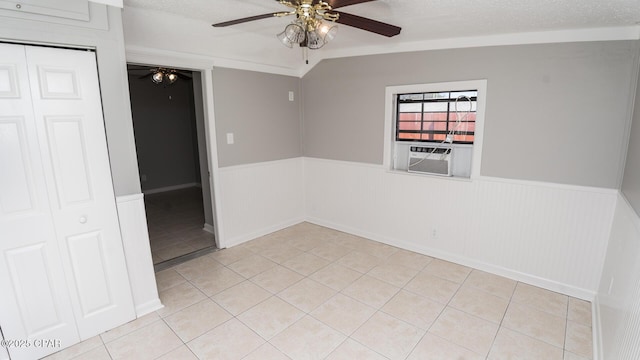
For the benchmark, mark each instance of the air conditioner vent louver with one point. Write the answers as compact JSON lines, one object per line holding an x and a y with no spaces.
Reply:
{"x":429,"y":160}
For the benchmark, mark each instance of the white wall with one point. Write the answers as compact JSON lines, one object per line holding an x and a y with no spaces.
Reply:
{"x":203,"y":156}
{"x":544,"y":234}
{"x":618,"y":303}
{"x":260,"y":198}
{"x":137,"y":251}
{"x":549,"y":235}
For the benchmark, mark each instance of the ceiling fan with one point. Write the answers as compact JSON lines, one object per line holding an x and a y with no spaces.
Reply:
{"x":159,"y":74}
{"x":312,"y":26}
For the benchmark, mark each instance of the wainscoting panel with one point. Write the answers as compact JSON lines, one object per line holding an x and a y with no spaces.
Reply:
{"x":548,"y":235}
{"x":617,"y":309}
{"x":258,"y":199}
{"x":552,"y":235}
{"x":137,"y":251}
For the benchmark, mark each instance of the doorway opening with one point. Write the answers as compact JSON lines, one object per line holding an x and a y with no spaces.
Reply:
{"x":168,"y":121}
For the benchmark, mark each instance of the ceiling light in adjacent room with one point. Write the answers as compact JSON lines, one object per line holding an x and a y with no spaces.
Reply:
{"x":172,"y":77}
{"x":157,"y":76}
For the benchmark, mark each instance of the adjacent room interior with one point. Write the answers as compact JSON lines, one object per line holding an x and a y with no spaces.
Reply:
{"x":169,"y":146}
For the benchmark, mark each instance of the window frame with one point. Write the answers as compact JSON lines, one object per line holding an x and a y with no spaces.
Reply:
{"x":390,"y":141}
{"x":448,"y":122}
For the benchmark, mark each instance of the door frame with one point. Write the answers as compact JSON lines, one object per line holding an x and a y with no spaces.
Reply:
{"x":205,"y":67}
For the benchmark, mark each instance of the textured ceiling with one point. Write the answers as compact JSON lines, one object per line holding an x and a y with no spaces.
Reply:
{"x":185,"y":25}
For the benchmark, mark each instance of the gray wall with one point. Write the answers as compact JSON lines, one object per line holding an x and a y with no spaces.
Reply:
{"x":555,"y":112}
{"x":165,"y":131}
{"x":104,"y":32}
{"x":631,"y":180}
{"x":255,"y":107}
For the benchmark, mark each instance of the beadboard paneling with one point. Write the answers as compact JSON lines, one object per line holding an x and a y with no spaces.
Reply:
{"x":544,"y":234}
{"x":617,"y":313}
{"x":260,"y":198}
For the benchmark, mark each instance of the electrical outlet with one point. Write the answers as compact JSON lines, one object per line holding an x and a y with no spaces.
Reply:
{"x":291,"y":96}
{"x":143,"y":177}
{"x":434,"y":234}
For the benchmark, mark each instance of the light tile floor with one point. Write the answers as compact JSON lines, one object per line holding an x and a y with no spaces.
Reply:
{"x":175,"y":220}
{"x":307,"y":292}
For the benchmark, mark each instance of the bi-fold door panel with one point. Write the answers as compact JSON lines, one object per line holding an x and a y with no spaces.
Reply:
{"x":34,"y":296}
{"x":77,"y":171}
{"x":89,"y":264}
{"x":69,"y":158}
{"x":9,"y":81}
{"x":16,"y":181}
{"x":62,"y":268}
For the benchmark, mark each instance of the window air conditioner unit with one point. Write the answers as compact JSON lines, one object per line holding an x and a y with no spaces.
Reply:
{"x":430,"y":160}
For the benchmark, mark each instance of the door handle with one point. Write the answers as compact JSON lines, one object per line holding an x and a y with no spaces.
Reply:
{"x":82,"y":219}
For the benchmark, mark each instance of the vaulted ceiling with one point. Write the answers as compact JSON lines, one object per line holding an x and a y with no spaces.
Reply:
{"x":185,"y":26}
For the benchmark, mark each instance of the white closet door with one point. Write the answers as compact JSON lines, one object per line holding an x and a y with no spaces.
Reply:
{"x":62,"y":270}
{"x":68,"y":113}
{"x":34,"y":297}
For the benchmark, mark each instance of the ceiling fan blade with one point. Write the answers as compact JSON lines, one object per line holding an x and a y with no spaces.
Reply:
{"x":367,"y":24}
{"x":247,"y":19}
{"x":341,"y":3}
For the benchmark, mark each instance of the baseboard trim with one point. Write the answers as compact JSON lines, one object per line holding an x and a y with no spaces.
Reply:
{"x":209,"y":228}
{"x":264,"y":231}
{"x":170,"y":188}
{"x":148,"y":307}
{"x":569,"y":290}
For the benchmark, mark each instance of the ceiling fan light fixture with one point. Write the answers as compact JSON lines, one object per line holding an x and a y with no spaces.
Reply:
{"x":161,"y":75}
{"x":172,"y":77}
{"x":157,"y":77}
{"x":313,"y":25}
{"x":314,"y":40}
{"x":295,"y":33}
{"x":284,"y":39}
{"x":328,"y":32}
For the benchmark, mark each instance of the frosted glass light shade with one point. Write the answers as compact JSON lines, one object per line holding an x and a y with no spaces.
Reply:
{"x":157,"y":77}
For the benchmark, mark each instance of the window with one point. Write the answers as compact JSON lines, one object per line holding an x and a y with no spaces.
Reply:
{"x":446,"y":116}
{"x":437,"y":116}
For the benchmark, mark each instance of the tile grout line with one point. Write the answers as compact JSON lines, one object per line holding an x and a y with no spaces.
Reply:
{"x":445,"y":308}
{"x":384,"y":260}
{"x":347,"y":337}
{"x":502,"y":319}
